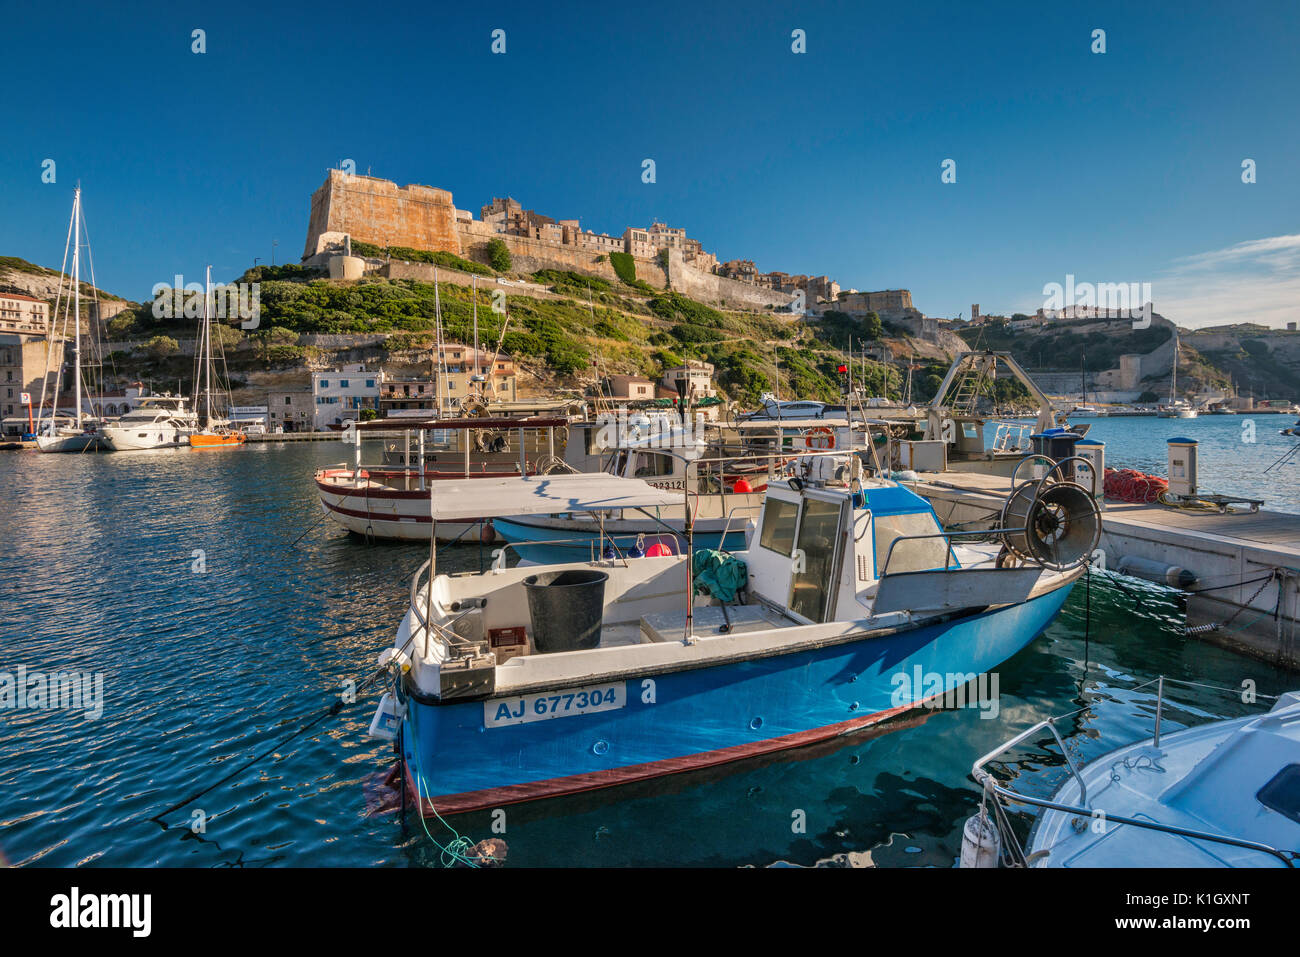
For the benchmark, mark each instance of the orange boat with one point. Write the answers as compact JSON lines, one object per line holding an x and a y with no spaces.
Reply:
{"x":217,"y":439}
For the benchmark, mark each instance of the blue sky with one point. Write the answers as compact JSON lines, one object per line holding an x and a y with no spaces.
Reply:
{"x":1115,"y":167}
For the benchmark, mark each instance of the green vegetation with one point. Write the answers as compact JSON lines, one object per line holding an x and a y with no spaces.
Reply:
{"x":160,"y":347}
{"x":839,"y":327}
{"x":450,"y":260}
{"x":624,"y":266}
{"x":22,"y":265}
{"x":498,"y":255}
{"x":1056,"y":346}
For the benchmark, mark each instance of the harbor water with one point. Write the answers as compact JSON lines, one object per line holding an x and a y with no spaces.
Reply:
{"x":225,"y":618}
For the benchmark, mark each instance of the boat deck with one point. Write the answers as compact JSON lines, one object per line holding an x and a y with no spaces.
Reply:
{"x":1231,"y":554}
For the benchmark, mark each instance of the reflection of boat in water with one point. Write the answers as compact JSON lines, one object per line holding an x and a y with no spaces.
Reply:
{"x":849,"y":606}
{"x":1222,"y":794}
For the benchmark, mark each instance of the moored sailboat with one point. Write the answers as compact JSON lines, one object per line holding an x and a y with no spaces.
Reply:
{"x":82,"y":433}
{"x":216,"y":432}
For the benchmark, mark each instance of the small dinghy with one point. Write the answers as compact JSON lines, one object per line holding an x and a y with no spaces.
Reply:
{"x":1222,"y":794}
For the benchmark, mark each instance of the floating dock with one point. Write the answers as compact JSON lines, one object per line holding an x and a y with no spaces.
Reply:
{"x":1239,"y":570}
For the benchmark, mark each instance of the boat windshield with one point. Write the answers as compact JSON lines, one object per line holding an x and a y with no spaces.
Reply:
{"x":910,"y":556}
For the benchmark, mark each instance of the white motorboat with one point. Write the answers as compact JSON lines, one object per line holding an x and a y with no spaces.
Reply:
{"x":158,"y":422}
{"x":1221,"y":794}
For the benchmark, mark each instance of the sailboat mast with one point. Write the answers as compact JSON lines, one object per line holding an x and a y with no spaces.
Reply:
{"x":1173,"y":379}
{"x":476,"y":361}
{"x":205,"y":350}
{"x":76,"y":299}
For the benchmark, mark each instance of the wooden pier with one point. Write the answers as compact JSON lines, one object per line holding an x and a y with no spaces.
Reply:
{"x":1246,"y":564}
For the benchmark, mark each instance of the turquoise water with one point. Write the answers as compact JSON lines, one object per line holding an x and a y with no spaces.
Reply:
{"x":207,"y":665}
{"x":1233,"y":451}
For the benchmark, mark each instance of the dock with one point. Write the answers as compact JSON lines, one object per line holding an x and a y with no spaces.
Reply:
{"x":1240,"y":570}
{"x":295,"y":437}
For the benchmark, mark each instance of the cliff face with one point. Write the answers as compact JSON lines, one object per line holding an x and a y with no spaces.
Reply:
{"x":18,"y":275}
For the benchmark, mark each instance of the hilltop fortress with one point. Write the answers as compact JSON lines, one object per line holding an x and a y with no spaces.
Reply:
{"x":379,"y":212}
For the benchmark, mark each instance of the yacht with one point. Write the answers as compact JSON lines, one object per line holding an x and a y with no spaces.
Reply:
{"x":158,"y":422}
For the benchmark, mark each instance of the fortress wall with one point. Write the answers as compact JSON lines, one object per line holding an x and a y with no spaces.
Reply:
{"x":529,"y":255}
{"x":381,"y":212}
{"x":710,"y":287}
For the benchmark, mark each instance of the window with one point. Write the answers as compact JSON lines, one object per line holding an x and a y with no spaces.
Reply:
{"x":909,"y":556}
{"x":648,"y":464}
{"x":343,"y":383}
{"x":370,"y":383}
{"x":778,"y":526}
{"x":288,"y":400}
{"x":811,"y":592}
{"x":324,"y":383}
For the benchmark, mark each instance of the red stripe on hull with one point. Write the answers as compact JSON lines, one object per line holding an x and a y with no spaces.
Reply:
{"x":577,"y":783}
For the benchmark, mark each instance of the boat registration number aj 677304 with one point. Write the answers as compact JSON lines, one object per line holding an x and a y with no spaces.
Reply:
{"x":500,"y":712}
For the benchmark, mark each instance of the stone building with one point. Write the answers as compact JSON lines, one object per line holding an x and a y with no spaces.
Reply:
{"x":698,"y":376}
{"x":341,"y":395}
{"x":290,"y":411}
{"x":887,"y":304}
{"x":24,"y":342}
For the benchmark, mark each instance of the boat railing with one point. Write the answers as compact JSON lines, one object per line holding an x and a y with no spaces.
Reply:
{"x":949,"y":536}
{"x":991,"y":786}
{"x":1011,"y":436}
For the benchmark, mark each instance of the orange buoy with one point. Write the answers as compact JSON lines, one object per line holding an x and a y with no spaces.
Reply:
{"x":658,"y":550}
{"x":741,"y":486}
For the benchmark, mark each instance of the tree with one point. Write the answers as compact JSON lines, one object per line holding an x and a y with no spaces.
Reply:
{"x":498,"y":255}
{"x":160,"y":347}
{"x":872,"y":328}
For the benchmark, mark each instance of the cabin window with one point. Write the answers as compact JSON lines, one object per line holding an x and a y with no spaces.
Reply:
{"x":649,"y":465}
{"x":910,"y":556}
{"x":810,"y":592}
{"x":778,"y":526}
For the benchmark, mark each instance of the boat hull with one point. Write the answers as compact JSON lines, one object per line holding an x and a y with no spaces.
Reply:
{"x":202,"y":440}
{"x":130,"y":440}
{"x":686,"y":719}
{"x":71,"y":443}
{"x":391,"y":514}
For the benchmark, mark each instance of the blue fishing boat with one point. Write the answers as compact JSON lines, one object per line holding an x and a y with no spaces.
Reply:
{"x":850,"y":605}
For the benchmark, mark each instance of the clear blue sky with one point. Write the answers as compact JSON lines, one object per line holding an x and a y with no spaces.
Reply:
{"x":1117,"y":168}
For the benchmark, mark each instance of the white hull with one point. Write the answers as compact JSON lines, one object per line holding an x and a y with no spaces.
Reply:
{"x":146,"y":437}
{"x":79,"y":442}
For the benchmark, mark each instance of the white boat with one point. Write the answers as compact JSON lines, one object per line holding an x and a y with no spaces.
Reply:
{"x":772,"y":408}
{"x":82,"y":434}
{"x":158,"y":422}
{"x":1221,"y":794}
{"x":1177,"y":408}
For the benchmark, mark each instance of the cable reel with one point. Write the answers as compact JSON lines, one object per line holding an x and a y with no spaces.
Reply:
{"x":1051,"y":522}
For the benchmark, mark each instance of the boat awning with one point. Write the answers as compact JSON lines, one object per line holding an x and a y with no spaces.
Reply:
{"x":459,"y":499}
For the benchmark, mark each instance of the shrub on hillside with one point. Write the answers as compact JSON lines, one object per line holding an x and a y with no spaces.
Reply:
{"x":498,"y":255}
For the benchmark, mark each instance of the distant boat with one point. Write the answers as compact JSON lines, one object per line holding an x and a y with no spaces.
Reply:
{"x":216,"y":432}
{"x":81,"y":435}
{"x":1177,"y":408}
